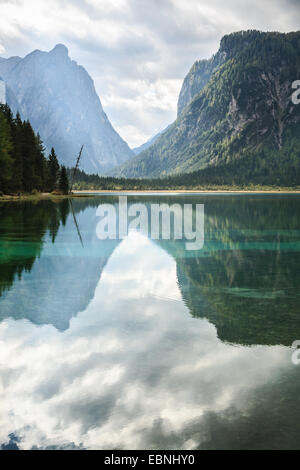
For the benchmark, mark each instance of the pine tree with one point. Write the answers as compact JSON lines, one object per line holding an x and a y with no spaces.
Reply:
{"x":41,"y":164}
{"x":31,"y":179}
{"x":53,"y":171}
{"x":6,"y":160}
{"x":17,"y":129}
{"x":63,"y":184}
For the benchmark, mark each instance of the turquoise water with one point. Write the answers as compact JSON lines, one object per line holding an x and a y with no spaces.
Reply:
{"x":141,"y":344}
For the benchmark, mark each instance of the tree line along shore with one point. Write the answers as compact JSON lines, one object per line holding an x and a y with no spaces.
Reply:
{"x":27,"y":173}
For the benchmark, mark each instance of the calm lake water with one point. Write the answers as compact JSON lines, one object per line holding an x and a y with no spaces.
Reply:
{"x":141,"y":344}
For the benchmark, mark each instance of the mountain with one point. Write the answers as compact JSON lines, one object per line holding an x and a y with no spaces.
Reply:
{"x":148,"y":144}
{"x":234,"y":111}
{"x":198,"y":77}
{"x":58,"y":97}
{"x":2,"y":92}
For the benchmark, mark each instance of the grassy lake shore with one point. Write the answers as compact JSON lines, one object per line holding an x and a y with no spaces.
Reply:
{"x":40,"y":197}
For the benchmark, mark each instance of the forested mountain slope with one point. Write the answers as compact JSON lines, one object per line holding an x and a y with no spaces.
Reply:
{"x":241,"y":113}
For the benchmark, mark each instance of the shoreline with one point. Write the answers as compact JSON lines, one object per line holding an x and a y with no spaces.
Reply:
{"x":99,"y":192}
{"x":187,"y":191}
{"x":41,"y":197}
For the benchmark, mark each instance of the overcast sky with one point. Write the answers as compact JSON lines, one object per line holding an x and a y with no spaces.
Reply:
{"x":137,"y":51}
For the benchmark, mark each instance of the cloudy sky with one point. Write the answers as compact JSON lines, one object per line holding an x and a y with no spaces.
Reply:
{"x":137,"y":51}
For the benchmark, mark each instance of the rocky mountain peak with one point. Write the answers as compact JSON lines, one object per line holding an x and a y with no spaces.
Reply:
{"x":58,"y":97}
{"x":60,"y":50}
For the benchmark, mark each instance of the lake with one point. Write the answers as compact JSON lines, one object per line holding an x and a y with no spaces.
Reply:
{"x":137,"y":343}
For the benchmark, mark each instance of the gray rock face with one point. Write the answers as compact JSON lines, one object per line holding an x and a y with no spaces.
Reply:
{"x":2,"y":92}
{"x":203,"y":70}
{"x":59,"y":98}
{"x":197,"y":78}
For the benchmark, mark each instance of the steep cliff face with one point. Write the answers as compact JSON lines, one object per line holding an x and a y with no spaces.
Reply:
{"x":59,"y":98}
{"x":243,"y":110}
{"x":197,"y":78}
{"x":202,"y":70}
{"x":2,"y":92}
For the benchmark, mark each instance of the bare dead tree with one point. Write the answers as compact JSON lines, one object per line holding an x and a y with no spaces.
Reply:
{"x":76,"y":168}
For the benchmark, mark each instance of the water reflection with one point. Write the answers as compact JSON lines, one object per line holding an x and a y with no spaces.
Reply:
{"x":47,"y":275}
{"x":124,"y":355}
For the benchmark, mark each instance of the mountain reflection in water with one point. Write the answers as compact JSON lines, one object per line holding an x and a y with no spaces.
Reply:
{"x":140,"y":344}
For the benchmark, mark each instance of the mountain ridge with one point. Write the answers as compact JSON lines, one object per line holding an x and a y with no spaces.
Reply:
{"x":58,"y":96}
{"x":243,"y":111}
{"x":149,"y":142}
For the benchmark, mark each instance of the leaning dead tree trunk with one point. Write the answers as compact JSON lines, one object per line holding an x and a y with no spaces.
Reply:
{"x":75,"y":222}
{"x":75,"y":169}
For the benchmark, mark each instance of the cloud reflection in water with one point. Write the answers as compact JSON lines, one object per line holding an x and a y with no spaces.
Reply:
{"x":133,"y":371}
